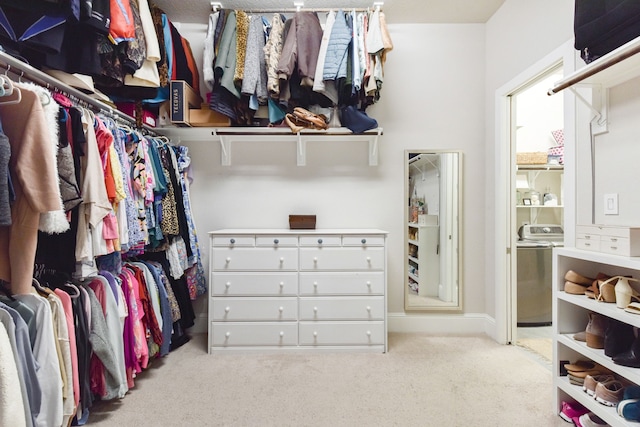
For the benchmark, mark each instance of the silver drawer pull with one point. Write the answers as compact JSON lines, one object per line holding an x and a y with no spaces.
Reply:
{"x":276,"y":241}
{"x":320,"y":241}
{"x":232,"y":241}
{"x":587,"y":244}
{"x":614,"y":239}
{"x":614,"y":248}
{"x":587,"y":237}
{"x":363,"y":241}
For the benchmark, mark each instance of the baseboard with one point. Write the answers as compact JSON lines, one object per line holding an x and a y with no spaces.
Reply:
{"x":438,"y":324}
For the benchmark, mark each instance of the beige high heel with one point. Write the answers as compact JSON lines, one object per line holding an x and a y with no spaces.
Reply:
{"x":625,"y":292}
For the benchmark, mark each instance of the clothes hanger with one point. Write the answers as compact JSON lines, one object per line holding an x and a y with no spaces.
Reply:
{"x":15,"y":97}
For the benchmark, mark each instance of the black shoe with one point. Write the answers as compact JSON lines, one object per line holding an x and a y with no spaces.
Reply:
{"x":631,"y":357}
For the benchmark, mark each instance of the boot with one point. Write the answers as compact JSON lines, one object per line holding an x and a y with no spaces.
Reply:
{"x":631,"y":357}
{"x":618,"y":337}
{"x":595,"y":330}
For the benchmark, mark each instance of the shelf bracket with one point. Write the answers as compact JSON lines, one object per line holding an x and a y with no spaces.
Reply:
{"x":225,"y":151}
{"x":599,"y":106}
{"x":373,"y":149}
{"x":301,"y":151}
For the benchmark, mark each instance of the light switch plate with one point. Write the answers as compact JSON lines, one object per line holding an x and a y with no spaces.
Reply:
{"x":611,"y":204}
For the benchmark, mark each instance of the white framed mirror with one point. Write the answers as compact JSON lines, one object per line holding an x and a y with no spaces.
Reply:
{"x":433,"y":194}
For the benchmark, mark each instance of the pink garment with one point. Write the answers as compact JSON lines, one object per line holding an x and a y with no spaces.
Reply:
{"x":68,"y":314}
{"x":141,"y":348}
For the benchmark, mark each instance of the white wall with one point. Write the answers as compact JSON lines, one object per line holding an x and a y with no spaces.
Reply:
{"x":432,"y":98}
{"x":519,"y":34}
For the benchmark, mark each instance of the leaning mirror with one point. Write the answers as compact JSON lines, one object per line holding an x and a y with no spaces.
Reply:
{"x":432,"y":230}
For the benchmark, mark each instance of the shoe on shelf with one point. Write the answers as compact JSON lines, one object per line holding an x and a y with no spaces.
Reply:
{"x":631,"y":357}
{"x":591,"y":381}
{"x":589,"y":420}
{"x":625,"y":293}
{"x":578,"y":278}
{"x":618,"y":337}
{"x":632,"y":391}
{"x":571,"y":410}
{"x":629,"y":409}
{"x":609,"y":393}
{"x":580,"y":336}
{"x":574,"y":288}
{"x":595,"y":330}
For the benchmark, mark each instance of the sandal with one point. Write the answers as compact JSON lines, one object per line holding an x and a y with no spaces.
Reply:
{"x":624,"y":292}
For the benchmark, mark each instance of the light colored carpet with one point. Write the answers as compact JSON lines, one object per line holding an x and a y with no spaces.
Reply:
{"x":540,"y":346}
{"x":422,"y":381}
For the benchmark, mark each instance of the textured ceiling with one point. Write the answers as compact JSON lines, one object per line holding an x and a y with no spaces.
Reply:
{"x":396,"y":11}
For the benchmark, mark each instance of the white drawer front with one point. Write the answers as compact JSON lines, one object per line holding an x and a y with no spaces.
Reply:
{"x":232,"y":241}
{"x":351,"y":283}
{"x":245,"y":308}
{"x":254,"y":334}
{"x":342,"y":308}
{"x":276,"y":241}
{"x":261,"y":283}
{"x":615,"y":245}
{"x":350,"y":258}
{"x":252,"y":259}
{"x":588,"y":244}
{"x":363,"y":240}
{"x":320,"y":241}
{"x":587,"y":236}
{"x":341,"y":333}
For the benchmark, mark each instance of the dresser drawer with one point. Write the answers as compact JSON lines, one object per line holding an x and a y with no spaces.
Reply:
{"x":342,"y":308}
{"x":348,"y":283}
{"x":229,"y":284}
{"x":615,"y":245}
{"x":276,"y":241}
{"x":341,"y":333}
{"x":255,"y":259}
{"x":588,"y":244}
{"x":320,"y":241}
{"x":346,"y":258}
{"x":247,"y":308}
{"x":229,"y":334}
{"x":233,"y":241}
{"x":363,"y":240}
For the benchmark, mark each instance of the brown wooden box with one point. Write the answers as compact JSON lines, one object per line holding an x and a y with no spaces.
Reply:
{"x":302,"y":222}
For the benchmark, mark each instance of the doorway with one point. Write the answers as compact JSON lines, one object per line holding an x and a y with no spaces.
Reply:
{"x":537,"y":214}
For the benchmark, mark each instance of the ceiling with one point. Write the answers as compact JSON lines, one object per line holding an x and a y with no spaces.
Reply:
{"x":396,"y":11}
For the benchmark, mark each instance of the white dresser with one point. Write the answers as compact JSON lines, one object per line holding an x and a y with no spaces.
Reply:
{"x":298,"y":290}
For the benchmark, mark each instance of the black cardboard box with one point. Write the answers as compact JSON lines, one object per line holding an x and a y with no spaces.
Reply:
{"x":183,"y":98}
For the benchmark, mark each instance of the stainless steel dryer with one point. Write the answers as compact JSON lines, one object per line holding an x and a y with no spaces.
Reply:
{"x":534,"y":250}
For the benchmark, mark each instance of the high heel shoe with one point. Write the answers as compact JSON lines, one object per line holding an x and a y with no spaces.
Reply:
{"x":624,"y":292}
{"x":606,"y":289}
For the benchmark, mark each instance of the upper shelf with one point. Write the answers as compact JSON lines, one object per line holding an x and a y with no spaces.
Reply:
{"x":226,"y":135}
{"x":615,"y":67}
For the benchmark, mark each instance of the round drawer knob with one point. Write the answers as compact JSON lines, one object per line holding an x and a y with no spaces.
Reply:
{"x":315,"y":259}
{"x":276,"y":241}
{"x":368,"y":283}
{"x":228,"y":284}
{"x":320,"y":241}
{"x":226,"y":309}
{"x":281,"y":259}
{"x":368,"y":308}
{"x":315,"y":309}
{"x":228,"y":259}
{"x":282,"y":284}
{"x":368,"y":259}
{"x":368,"y":333}
{"x":315,"y":284}
{"x":228,"y":334}
{"x":232,"y":241}
{"x":281,"y":333}
{"x":281,"y":309}
{"x":363,"y":241}
{"x":315,"y":334}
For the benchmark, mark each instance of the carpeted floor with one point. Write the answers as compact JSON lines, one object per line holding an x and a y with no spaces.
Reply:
{"x":422,"y":381}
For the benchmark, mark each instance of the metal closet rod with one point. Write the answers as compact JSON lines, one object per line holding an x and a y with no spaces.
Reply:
{"x":376,"y":5}
{"x":22,"y":69}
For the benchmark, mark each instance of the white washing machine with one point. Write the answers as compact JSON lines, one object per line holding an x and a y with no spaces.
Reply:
{"x":534,"y":250}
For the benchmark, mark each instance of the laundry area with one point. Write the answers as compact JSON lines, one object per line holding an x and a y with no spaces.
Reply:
{"x":539,"y":214}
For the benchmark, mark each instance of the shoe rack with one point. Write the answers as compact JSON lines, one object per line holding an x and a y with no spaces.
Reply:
{"x":570,"y":314}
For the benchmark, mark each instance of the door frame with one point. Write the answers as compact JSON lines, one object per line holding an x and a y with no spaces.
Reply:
{"x":504,"y":263}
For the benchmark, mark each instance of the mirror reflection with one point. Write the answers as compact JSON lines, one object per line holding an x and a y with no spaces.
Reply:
{"x":432,"y":237}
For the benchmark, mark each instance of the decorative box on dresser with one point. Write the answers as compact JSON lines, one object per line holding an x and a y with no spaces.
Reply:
{"x":297,"y":290}
{"x":570,"y":314}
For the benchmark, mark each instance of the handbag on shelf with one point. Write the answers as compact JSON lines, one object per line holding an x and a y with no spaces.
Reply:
{"x":305,"y":119}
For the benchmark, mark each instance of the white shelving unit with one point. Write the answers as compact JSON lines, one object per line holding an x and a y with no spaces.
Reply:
{"x":570,"y":312}
{"x":225,"y":136}
{"x":542,"y":178}
{"x":424,"y":259}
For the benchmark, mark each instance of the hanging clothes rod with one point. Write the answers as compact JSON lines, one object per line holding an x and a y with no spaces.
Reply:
{"x":24,"y":70}
{"x":300,"y":8}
